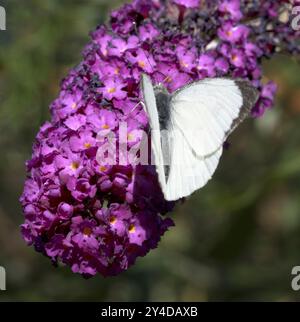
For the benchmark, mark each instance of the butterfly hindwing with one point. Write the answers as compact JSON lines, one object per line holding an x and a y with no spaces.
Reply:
{"x":188,"y":172}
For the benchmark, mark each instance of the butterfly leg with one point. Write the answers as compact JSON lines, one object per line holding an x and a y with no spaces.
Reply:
{"x":134,"y":108}
{"x":143,"y":105}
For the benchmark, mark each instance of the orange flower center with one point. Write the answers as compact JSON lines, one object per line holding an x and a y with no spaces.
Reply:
{"x":234,"y":57}
{"x":74,"y":165}
{"x":102,"y":168}
{"x":113,"y":220}
{"x":169,"y":79}
{"x":87,"y":231}
{"x":131,"y":228}
{"x":142,"y":64}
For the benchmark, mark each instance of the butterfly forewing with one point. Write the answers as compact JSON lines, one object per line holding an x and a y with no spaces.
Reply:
{"x":156,"y":145}
{"x":208,"y":111}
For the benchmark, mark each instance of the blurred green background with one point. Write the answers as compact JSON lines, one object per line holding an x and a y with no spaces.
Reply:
{"x":236,"y":239}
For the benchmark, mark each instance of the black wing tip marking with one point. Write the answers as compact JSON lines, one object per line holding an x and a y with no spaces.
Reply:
{"x":249,"y":93}
{"x":250,"y":96}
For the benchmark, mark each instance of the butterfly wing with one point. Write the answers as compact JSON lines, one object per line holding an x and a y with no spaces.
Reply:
{"x":156,"y":146}
{"x":203,"y":114}
{"x":188,"y":172}
{"x":207,"y":111}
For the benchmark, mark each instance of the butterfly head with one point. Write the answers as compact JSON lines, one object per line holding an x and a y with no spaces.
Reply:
{"x":160,"y":88}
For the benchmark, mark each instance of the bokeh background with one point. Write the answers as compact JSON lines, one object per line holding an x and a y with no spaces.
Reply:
{"x":236,"y":239}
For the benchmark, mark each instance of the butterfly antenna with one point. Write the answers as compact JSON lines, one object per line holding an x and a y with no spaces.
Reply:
{"x":165,"y":76}
{"x":146,"y":54}
{"x":148,"y":58}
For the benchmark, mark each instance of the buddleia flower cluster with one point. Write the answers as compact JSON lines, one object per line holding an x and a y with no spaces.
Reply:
{"x":96,"y":217}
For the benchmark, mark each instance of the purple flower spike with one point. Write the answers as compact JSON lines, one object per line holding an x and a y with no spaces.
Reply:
{"x":97,"y":217}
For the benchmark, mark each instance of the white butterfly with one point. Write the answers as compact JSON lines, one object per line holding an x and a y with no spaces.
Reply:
{"x":190,"y":126}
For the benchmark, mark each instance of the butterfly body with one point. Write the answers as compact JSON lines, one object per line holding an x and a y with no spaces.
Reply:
{"x":163,"y":99}
{"x":190,"y":126}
